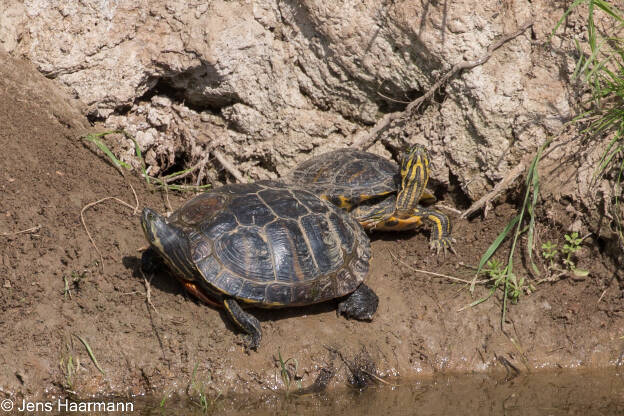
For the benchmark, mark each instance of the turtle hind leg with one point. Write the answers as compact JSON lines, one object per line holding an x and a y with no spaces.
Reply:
{"x":361,"y":304}
{"x":245,"y":321}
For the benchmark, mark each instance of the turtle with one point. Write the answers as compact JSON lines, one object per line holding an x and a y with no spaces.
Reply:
{"x":376,"y":191}
{"x":265,"y":244}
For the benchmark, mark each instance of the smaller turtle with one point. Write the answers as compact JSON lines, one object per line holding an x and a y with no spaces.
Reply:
{"x":265,"y":245}
{"x":377,"y":192}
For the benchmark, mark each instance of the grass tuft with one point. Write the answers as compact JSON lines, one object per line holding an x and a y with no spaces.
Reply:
{"x":603,"y":72}
{"x":202,"y":401}
{"x":163,"y":183}
{"x":286,"y":374}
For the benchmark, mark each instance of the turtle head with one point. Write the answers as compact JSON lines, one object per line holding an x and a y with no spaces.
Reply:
{"x":169,"y":241}
{"x":154,"y":227}
{"x":414,"y":176}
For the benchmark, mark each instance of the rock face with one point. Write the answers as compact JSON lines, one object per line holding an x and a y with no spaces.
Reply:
{"x":270,"y":82}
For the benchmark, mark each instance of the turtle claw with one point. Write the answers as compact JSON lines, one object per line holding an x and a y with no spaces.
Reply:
{"x":444,"y":244}
{"x":252,"y":342}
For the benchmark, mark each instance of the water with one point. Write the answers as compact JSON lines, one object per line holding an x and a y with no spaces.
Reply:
{"x":542,"y":393}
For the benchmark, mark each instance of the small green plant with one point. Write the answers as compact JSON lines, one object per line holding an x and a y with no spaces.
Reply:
{"x":199,"y":387}
{"x":495,"y":272}
{"x":286,"y":374}
{"x":66,"y":290}
{"x":78,"y":276}
{"x":74,"y":281}
{"x":69,"y":369}
{"x":95,"y":139}
{"x":572,"y":246}
{"x":549,"y":252}
{"x":500,"y":276}
{"x":565,"y":264}
{"x":162,"y":183}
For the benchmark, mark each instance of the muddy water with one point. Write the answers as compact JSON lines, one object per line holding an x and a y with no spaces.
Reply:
{"x":543,"y":393}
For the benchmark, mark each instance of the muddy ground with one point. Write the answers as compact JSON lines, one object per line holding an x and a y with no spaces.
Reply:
{"x":54,"y":289}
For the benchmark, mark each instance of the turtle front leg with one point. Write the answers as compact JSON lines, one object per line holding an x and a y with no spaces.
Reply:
{"x":151,"y":261}
{"x":361,"y":304}
{"x":440,"y":230}
{"x":245,"y":321}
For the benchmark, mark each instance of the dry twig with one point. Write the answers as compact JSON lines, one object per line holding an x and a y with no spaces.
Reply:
{"x":148,"y":292}
{"x":448,"y":208}
{"x":195,"y":167}
{"x":454,"y":279}
{"x":227,"y":165}
{"x":364,"y":140}
{"x":499,"y":188}
{"x":91,"y":204}
{"x":30,"y":230}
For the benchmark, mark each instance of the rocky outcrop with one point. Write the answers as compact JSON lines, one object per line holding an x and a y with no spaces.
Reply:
{"x":270,"y":82}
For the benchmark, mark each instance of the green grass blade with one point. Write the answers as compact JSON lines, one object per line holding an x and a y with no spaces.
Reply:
{"x":612,"y":11}
{"x":90,"y":352}
{"x":182,"y":172}
{"x":535,"y":189}
{"x":591,"y":28}
{"x":479,"y":301}
{"x":139,"y":155}
{"x":94,"y":138}
{"x":607,"y":156}
{"x":493,"y":247}
{"x":565,"y":15}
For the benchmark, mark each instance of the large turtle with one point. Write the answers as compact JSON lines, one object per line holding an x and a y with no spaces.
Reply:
{"x":267,"y":245}
{"x":379,"y":194}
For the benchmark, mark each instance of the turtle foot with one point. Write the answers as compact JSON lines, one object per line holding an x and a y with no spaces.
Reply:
{"x":361,"y":304}
{"x":151,"y":261}
{"x":245,"y":321}
{"x":444,"y":244}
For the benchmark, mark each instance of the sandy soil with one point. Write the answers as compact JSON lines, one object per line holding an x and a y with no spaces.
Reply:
{"x":54,"y":290}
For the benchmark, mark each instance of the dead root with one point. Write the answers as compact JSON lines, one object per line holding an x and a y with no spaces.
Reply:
{"x":486,"y":201}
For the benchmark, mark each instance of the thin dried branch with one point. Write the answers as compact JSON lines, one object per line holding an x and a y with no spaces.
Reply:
{"x":445,"y":276}
{"x":498,"y":189}
{"x":227,"y":165}
{"x":195,"y":167}
{"x":84,"y":224}
{"x":364,"y":140}
{"x":30,"y":230}
{"x":148,"y":292}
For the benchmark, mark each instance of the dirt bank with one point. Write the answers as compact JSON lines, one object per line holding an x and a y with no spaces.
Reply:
{"x":54,"y":289}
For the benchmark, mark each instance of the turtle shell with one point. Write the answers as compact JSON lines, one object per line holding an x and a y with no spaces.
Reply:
{"x":348,"y":176}
{"x":272,"y":244}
